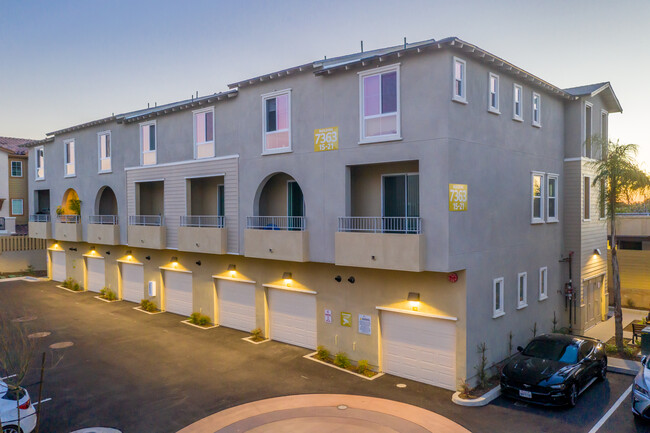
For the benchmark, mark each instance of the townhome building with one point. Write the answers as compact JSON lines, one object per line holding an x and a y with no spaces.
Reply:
{"x":402,"y":205}
{"x":14,"y":209}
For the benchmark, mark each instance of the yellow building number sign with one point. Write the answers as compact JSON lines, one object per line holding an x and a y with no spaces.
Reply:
{"x":457,"y":197}
{"x":326,"y":139}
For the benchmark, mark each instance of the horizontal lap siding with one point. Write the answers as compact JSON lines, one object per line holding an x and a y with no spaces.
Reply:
{"x":634,"y":268}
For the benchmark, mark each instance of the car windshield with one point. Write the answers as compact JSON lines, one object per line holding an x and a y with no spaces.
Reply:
{"x":561,"y":351}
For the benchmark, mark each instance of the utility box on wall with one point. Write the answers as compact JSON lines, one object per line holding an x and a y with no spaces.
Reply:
{"x":152,"y":288}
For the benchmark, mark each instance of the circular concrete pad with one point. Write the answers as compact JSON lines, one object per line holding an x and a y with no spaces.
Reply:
{"x":39,"y":334}
{"x":61,"y":345}
{"x":24,"y":319}
{"x":322,"y":413}
{"x":97,"y":430}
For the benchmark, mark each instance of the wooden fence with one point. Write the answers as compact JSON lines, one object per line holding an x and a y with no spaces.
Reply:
{"x":21,"y":243}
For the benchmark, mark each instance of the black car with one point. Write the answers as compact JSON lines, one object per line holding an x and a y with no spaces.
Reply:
{"x":554,"y":369}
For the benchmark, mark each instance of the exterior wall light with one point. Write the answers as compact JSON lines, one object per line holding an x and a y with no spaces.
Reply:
{"x":56,"y":246}
{"x":232,"y":269}
{"x":338,"y":278}
{"x":148,"y":257}
{"x":597,"y":251}
{"x":414,"y":300}
{"x":351,"y":280}
{"x":287,"y":277}
{"x":174,"y":261}
{"x":108,"y":253}
{"x":198,"y":262}
{"x":72,"y":249}
{"x":129,"y":254}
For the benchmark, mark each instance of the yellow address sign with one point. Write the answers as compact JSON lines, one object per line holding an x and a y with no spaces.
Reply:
{"x":326,"y":139}
{"x":457,"y":197}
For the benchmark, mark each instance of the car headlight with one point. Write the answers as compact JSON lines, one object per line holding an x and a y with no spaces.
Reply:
{"x":558,"y":386}
{"x":641,"y":390}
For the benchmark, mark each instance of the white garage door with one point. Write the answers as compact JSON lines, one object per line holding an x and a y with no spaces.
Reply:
{"x":293,"y":317}
{"x":58,"y":265}
{"x":419,"y":348}
{"x":96,"y":279}
{"x":132,"y":282}
{"x":178,"y":293}
{"x":236,"y":305}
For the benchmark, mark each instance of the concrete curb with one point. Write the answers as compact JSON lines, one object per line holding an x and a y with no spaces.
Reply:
{"x":483,"y":400}
{"x":623,"y":366}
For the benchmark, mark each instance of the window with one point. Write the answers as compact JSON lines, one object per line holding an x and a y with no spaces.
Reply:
{"x":17,"y":206}
{"x":551,"y":198}
{"x":148,"y":143}
{"x":516,"y":102}
{"x":604,"y":132}
{"x":493,"y":94}
{"x":522,"y":288}
{"x":537,"y":203}
{"x":204,"y":133}
{"x":587,"y":199}
{"x":68,"y":146}
{"x":277,"y":122}
{"x":459,"y":86}
{"x":586,"y":145}
{"x":380,"y":116}
{"x":497,"y":298}
{"x":537,"y":110}
{"x":40,"y":163}
{"x":602,"y":211}
{"x":16,"y":169}
{"x":543,"y":283}
{"x":104,"y":142}
{"x":400,"y":202}
{"x":221,"y":203}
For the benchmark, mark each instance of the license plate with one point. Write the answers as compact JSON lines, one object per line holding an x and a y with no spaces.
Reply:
{"x":525,"y":394}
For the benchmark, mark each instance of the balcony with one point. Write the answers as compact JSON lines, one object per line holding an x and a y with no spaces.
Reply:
{"x":277,"y":238}
{"x":103,"y":229}
{"x":147,"y":231}
{"x":68,"y":228}
{"x":203,"y":234}
{"x":395,"y":243}
{"x":40,"y":226}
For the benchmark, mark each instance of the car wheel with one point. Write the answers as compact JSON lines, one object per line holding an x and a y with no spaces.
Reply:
{"x":602,"y":373}
{"x":573,"y":396}
{"x":11,"y":429}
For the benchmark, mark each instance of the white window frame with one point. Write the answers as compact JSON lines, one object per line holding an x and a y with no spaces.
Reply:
{"x":65,"y":158}
{"x":604,"y":125}
{"x":533,"y":219}
{"x":271,"y":96}
{"x":549,"y":218}
{"x":99,"y":152}
{"x":194,"y":114}
{"x":602,"y":207}
{"x":11,"y":168}
{"x":522,"y":304}
{"x":500,"y":311}
{"x":362,"y":124}
{"x":462,"y":98}
{"x":142,"y":151}
{"x":491,"y":108}
{"x":543,"y":283}
{"x":586,"y":199}
{"x":584,"y":129}
{"x":536,"y":123}
{"x":518,"y":117}
{"x":38,"y":163}
{"x":22,"y":206}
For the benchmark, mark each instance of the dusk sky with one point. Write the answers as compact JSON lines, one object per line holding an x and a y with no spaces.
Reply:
{"x":68,"y":62}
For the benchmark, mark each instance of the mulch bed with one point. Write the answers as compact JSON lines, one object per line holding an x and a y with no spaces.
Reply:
{"x":622,"y":355}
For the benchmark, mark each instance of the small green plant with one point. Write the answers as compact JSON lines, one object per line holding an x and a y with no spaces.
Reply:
{"x":363,"y":367}
{"x":107,"y":294}
{"x":30,"y":270}
{"x":75,"y":206}
{"x":481,"y":368}
{"x":629,"y":351}
{"x":76,"y":287}
{"x":322,"y":353}
{"x":611,"y":349}
{"x":631,"y":303}
{"x":465,"y":390}
{"x":70,"y":283}
{"x":59,"y":210}
{"x":197,"y":318}
{"x":341,"y":360}
{"x":147,"y":305}
{"x":257,"y":334}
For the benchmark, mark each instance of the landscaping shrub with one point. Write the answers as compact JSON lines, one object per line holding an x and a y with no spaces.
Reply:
{"x":70,"y":283}
{"x":256,"y":334}
{"x":147,"y":305}
{"x":199,"y":319}
{"x":629,"y":351}
{"x":465,"y":390}
{"x":75,"y":206}
{"x":481,"y":368}
{"x":610,"y":349}
{"x":76,"y":287}
{"x":107,"y":294}
{"x":322,"y":353}
{"x":341,"y":360}
{"x":363,"y":367}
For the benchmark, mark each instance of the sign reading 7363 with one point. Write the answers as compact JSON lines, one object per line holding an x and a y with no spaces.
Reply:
{"x":457,"y":197}
{"x":326,"y":139}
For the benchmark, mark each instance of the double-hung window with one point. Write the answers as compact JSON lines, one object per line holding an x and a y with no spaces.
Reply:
{"x":277,"y":122}
{"x":68,"y":146}
{"x":522,"y":290}
{"x":537,"y":110}
{"x":551,"y":198}
{"x":17,"y":206}
{"x":493,"y":93}
{"x":40,"y":163}
{"x":537,"y":202}
{"x":204,"y":133}
{"x":104,"y":143}
{"x":459,"y":84}
{"x":380,"y":113}
{"x":543,"y":283}
{"x":588,"y":131}
{"x":602,"y":210}
{"x":498,"y":309}
{"x":148,"y":143}
{"x":517,"y":98}
{"x":586,"y":199}
{"x":16,"y":169}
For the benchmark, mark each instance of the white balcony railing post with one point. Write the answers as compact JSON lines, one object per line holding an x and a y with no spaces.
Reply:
{"x":203,"y":221}
{"x":68,"y":219}
{"x":39,"y":218}
{"x":297,"y":223}
{"x":103,"y":219}
{"x":146,"y":220}
{"x":407,"y":225}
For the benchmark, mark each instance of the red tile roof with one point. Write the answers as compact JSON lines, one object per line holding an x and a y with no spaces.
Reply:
{"x":13,"y":145}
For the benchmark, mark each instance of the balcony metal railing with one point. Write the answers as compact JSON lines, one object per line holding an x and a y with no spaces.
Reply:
{"x":2,"y":224}
{"x":276,"y":223}
{"x":408,"y":225}
{"x":203,"y":221}
{"x":68,"y":219}
{"x":103,"y":219}
{"x":39,"y":218}
{"x":146,"y":220}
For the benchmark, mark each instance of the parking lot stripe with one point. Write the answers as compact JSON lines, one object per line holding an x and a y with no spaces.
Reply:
{"x":42,"y":401}
{"x":611,"y":410}
{"x":7,"y":377}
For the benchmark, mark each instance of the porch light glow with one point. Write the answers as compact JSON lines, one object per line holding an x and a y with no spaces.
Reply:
{"x":129,"y":255}
{"x":597,"y":251}
{"x":287,"y":277}
{"x":232,"y":269}
{"x":414,"y":300}
{"x":174,"y":261}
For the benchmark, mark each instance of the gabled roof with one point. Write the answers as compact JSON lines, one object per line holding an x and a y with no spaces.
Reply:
{"x":611,"y":101}
{"x":14,"y":145}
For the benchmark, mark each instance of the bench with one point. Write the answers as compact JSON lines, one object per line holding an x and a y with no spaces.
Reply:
{"x":636,"y":330}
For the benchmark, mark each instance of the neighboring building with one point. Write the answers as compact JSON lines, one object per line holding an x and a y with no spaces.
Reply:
{"x":14,"y":208}
{"x":325,"y":204}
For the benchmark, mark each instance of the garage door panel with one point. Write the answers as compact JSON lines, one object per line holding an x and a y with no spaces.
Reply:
{"x":178,"y":293}
{"x":293,"y":317}
{"x":236,"y":305}
{"x":132,"y":282}
{"x":96,"y":274}
{"x":58,"y":265}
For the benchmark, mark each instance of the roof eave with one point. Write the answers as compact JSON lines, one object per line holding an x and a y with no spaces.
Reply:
{"x":38,"y":142}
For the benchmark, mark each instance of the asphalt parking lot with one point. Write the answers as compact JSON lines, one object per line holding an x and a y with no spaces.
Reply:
{"x":144,"y":373}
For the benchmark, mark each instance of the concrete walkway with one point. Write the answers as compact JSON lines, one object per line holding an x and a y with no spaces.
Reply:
{"x":605,"y":330}
{"x":325,"y":413}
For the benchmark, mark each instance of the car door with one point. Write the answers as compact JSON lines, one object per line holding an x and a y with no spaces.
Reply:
{"x":586,"y":370}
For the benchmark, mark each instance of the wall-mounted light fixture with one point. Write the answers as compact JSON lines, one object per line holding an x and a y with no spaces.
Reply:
{"x":198,"y":262}
{"x":287,"y":277}
{"x":72,"y":249}
{"x":597,"y":251}
{"x":56,"y":246}
{"x":232,"y":269}
{"x":414,"y":300}
{"x":108,"y":253}
{"x":351,"y":280}
{"x":174,"y":261}
{"x":338,"y":278}
{"x":93,"y":250}
{"x":148,"y":257}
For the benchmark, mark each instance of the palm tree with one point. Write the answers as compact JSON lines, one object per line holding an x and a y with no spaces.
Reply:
{"x":623,"y":180}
